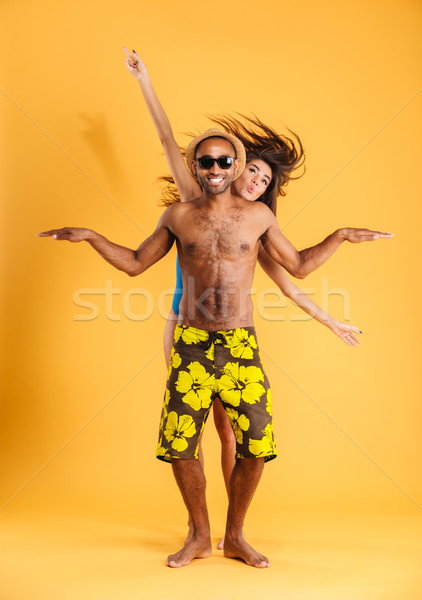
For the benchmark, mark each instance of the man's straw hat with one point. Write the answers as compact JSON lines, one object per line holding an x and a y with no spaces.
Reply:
{"x":238,"y":146}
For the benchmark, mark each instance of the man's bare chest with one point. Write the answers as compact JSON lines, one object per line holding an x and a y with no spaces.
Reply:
{"x":227,"y":236}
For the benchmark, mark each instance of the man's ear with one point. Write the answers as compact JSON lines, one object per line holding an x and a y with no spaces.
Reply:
{"x":236,"y":165}
{"x":193,"y":167}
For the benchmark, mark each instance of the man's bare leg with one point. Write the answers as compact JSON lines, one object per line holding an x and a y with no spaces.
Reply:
{"x":168,"y":344}
{"x":245,"y":478}
{"x":191,"y":481}
{"x":202,"y":463}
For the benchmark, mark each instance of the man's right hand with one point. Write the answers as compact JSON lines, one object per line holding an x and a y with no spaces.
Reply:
{"x":71,"y":234}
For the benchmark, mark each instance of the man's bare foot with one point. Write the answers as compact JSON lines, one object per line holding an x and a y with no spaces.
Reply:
{"x":220,"y":545}
{"x":190,"y":533}
{"x":196,"y":548}
{"x":237,"y":547}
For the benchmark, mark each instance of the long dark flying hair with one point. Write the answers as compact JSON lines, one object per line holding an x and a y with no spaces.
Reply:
{"x":281,"y":153}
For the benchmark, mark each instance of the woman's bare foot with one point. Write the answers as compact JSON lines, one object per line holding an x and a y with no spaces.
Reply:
{"x":237,"y":547}
{"x":199,"y":547}
{"x":220,"y":545}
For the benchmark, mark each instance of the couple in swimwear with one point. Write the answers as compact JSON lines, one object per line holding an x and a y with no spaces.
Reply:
{"x":221,"y":213}
{"x":271,"y":159}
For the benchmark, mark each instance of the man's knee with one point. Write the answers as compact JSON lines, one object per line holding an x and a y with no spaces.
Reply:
{"x":184,"y":465}
{"x":252,"y":465}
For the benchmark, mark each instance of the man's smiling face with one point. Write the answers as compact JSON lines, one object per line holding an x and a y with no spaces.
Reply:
{"x":214,"y":180}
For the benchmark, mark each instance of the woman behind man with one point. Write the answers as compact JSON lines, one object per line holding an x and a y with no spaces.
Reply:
{"x":271,"y":159}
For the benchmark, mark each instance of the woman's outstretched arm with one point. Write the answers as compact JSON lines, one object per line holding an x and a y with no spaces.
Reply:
{"x":187,"y":186}
{"x":280,"y":278}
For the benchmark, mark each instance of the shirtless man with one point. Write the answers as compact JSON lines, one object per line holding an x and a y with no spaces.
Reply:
{"x":215,"y":351}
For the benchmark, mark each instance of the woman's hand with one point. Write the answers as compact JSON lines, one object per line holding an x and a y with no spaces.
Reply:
{"x":187,"y":186}
{"x":345,"y":332}
{"x":134,"y":64}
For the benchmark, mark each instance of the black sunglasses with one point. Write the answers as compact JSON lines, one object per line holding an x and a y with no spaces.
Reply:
{"x":224,"y":162}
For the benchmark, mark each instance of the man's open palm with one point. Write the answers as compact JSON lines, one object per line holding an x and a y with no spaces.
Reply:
{"x":355,"y":235}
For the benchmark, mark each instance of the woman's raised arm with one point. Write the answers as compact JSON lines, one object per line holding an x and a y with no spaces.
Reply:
{"x":187,"y":186}
{"x":279,"y":276}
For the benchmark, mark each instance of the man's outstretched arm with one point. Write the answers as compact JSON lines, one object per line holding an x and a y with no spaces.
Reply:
{"x":301,"y":263}
{"x":132,"y":262}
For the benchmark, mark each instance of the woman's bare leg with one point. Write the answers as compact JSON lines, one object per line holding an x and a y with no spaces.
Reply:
{"x":228,"y":442}
{"x":169,"y":335}
{"x":228,"y":451}
{"x":228,"y":448}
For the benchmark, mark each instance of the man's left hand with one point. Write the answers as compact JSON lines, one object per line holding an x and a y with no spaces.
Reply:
{"x":355,"y":235}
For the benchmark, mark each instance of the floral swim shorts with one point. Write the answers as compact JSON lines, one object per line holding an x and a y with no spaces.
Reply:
{"x":207,"y":364}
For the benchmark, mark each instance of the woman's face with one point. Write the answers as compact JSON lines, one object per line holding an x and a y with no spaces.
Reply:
{"x":254,"y":180}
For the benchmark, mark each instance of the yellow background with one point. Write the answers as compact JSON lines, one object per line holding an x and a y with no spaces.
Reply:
{"x":81,"y":399}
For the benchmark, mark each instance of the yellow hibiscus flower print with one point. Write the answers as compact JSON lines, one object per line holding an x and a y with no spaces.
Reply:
{"x":269,"y":406}
{"x":175,"y":359}
{"x":178,"y":333}
{"x":190,"y":335}
{"x":197,"y":385}
{"x":210,"y":352}
{"x":241,"y":344}
{"x":265,"y":446}
{"x":241,"y":383}
{"x":163,"y":452}
{"x":164,"y":411}
{"x":178,"y":429}
{"x":239,"y":423}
